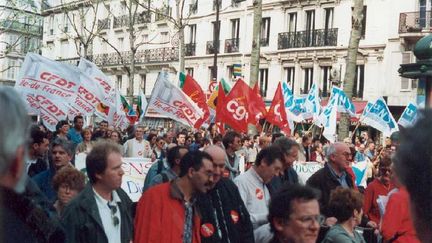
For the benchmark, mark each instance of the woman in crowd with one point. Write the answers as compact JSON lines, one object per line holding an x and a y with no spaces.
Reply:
{"x":346,"y":205}
{"x":62,"y":129}
{"x":115,"y":136}
{"x":151,"y":138}
{"x":87,"y":144}
{"x":317,"y":153}
{"x":67,"y":182}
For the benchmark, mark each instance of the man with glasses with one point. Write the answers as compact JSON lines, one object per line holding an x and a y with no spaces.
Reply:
{"x":294,"y":215}
{"x":333,"y":174}
{"x":102,"y":211}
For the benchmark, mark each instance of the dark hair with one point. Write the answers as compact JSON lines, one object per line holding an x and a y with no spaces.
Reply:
{"x":61,"y":123}
{"x":413,"y":165}
{"x":103,"y":122}
{"x":305,"y":138}
{"x":75,"y":120}
{"x":181,"y":133}
{"x":173,"y":154}
{"x":276,"y":136}
{"x":96,"y":160}
{"x":270,"y":154}
{"x":343,"y":202}
{"x":65,"y":144}
{"x":285,"y":144}
{"x":37,"y":135}
{"x":193,"y":159}
{"x":229,"y":138}
{"x":217,"y":138}
{"x":70,"y":176}
{"x":281,"y":203}
{"x":151,"y":136}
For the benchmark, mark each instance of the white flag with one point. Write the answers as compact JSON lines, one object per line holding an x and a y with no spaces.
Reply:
{"x":313,"y":103}
{"x":409,"y":116}
{"x":379,"y":117}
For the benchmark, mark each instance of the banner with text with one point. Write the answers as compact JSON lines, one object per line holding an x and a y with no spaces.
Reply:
{"x":306,"y":169}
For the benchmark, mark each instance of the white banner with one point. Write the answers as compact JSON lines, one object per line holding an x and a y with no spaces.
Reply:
{"x":409,"y":116}
{"x":135,"y":171}
{"x":169,"y":100}
{"x":306,"y":169}
{"x":379,"y":117}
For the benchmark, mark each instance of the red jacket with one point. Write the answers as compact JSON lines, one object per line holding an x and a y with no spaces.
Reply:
{"x":397,"y":219}
{"x":160,"y":217}
{"x":370,"y":206}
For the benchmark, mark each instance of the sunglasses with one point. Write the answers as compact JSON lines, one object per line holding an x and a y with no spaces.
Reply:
{"x":113,"y":210}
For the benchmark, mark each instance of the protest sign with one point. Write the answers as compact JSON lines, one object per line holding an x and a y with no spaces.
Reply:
{"x":409,"y":116}
{"x":306,"y":169}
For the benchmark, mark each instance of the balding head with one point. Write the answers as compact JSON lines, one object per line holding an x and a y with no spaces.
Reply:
{"x":218,"y":156}
{"x":339,"y":155}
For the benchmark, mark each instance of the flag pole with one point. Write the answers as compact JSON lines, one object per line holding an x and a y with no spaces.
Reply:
{"x":355,"y":129}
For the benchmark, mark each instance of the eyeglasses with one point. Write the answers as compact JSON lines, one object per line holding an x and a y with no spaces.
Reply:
{"x":311,"y":219}
{"x":347,"y":154}
{"x":114,"y":217}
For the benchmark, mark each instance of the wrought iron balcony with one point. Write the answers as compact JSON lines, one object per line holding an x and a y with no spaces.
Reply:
{"x":22,"y":27}
{"x":104,"y":24}
{"x":308,"y":38}
{"x":415,"y":22}
{"x":190,"y":49}
{"x":121,"y":21}
{"x":162,"y":13}
{"x":232,"y":45}
{"x":212,"y":47}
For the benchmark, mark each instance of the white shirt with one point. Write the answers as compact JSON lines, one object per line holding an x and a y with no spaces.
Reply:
{"x":112,"y":232}
{"x":135,"y":148}
{"x":255,"y":195}
{"x":29,"y":163}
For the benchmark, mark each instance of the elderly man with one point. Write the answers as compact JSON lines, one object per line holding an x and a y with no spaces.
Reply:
{"x":294,"y":215}
{"x":102,"y":212}
{"x":21,"y":219}
{"x":138,"y":146}
{"x":333,"y":174}
{"x":222,"y":207}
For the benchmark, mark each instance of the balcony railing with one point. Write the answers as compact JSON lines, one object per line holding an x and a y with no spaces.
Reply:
{"x":23,"y":27}
{"x":232,"y":45}
{"x":190,"y":49}
{"x":104,"y":24}
{"x":415,"y":21}
{"x":123,"y":21}
{"x":158,"y":55}
{"x":308,"y":38}
{"x":212,"y":47}
{"x":162,"y":14}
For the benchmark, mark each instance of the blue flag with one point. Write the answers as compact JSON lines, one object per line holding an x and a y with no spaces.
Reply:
{"x":409,"y":116}
{"x":379,"y":117}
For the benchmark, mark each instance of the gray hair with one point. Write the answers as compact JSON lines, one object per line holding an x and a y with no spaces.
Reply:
{"x":285,"y":144}
{"x":65,"y":144}
{"x":14,"y":126}
{"x":331,"y":150}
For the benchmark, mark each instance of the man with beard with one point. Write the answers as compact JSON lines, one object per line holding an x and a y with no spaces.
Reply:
{"x":222,"y":207}
{"x":167,"y":212}
{"x":102,"y":212}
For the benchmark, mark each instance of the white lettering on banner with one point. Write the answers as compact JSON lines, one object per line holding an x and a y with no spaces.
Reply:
{"x":48,"y":88}
{"x":135,"y":171}
{"x":239,"y":111}
{"x":277,"y":111}
{"x":306,"y":169}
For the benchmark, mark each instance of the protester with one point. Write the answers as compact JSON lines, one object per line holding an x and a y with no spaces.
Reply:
{"x":138,"y":146}
{"x":317,"y":154}
{"x":151,"y":138}
{"x":62,"y":153}
{"x":67,"y":183}
{"x":167,"y":212}
{"x":360,"y":154}
{"x":413,"y":166}
{"x":288,"y":175}
{"x":251,"y":184}
{"x":102,"y":212}
{"x":62,"y":129}
{"x":222,"y":206}
{"x":197,"y":142}
{"x":346,"y":205}
{"x":159,"y":148}
{"x":170,"y":171}
{"x":181,"y":138}
{"x":333,"y":174}
{"x":101,"y":131}
{"x":305,"y":150}
{"x":116,"y":137}
{"x":370,"y":151}
{"x":294,"y":215}
{"x":231,"y":142}
{"x":380,"y":186}
{"x":21,"y":218}
{"x":74,"y":134}
{"x":38,"y":148}
{"x":87,"y":144}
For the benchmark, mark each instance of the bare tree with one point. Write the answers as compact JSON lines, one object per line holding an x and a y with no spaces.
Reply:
{"x":351,"y":65}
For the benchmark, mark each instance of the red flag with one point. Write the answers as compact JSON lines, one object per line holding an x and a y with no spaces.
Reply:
{"x":192,"y":89}
{"x":234,"y":109}
{"x":276,"y":114}
{"x":256,"y":107}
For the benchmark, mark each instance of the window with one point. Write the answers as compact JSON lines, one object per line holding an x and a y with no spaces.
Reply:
{"x":143,"y":78}
{"x":307,"y":81}
{"x":423,"y":12}
{"x":359,"y":82}
{"x":190,"y":71}
{"x":164,"y":37}
{"x":12,"y":67}
{"x":51,"y":25}
{"x":230,"y":70}
{"x":290,"y":76}
{"x":265,"y":31}
{"x":405,"y":82}
{"x":65,"y":23}
{"x":120,"y":42}
{"x":292,"y":22}
{"x":310,"y":27}
{"x":263,"y":81}
{"x":145,"y":38}
{"x":192,"y":33}
{"x":326,"y":84}
{"x":120,"y":81}
{"x":328,"y":21}
{"x":235,"y":28}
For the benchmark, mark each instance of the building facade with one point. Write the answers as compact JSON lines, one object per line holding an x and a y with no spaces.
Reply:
{"x":302,"y":42}
{"x":20,"y":32}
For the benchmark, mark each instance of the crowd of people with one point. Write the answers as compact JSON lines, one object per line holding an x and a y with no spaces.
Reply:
{"x":204,"y":186}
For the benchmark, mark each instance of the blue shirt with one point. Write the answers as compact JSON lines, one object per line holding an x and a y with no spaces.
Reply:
{"x":341,"y":179}
{"x":74,"y":136}
{"x":359,"y":156}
